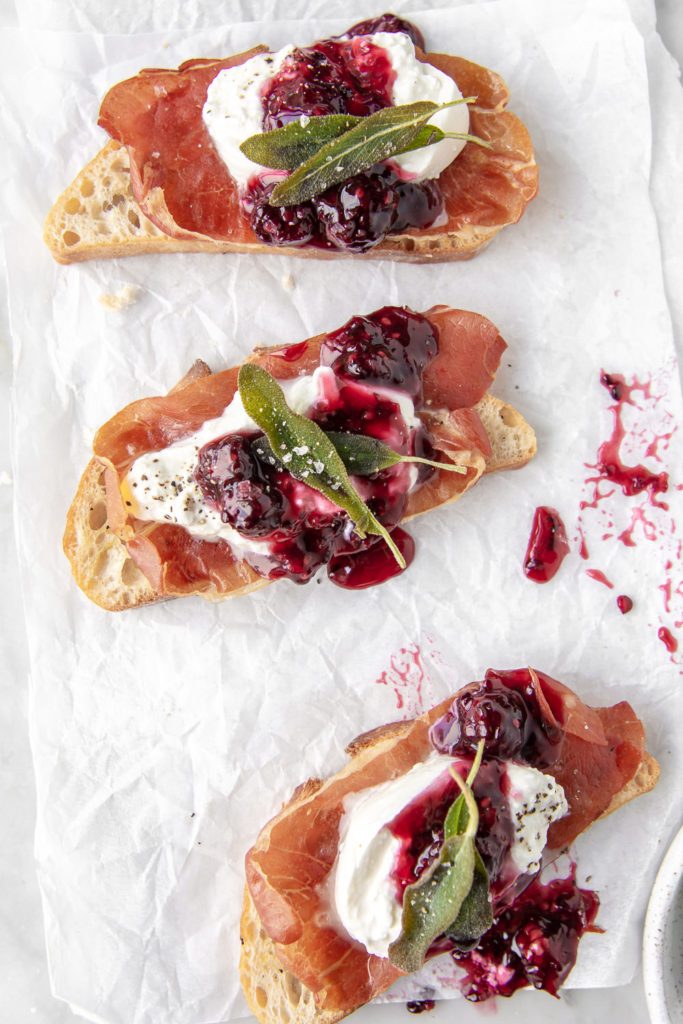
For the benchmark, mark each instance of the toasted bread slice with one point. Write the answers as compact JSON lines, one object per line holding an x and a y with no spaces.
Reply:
{"x":274,"y":994}
{"x":97,"y":217}
{"x":107,"y":574}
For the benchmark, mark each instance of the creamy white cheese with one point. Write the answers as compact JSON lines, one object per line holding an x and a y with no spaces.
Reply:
{"x":233,"y":109}
{"x":536,"y":800}
{"x":364,"y":891}
{"x":414,"y":81}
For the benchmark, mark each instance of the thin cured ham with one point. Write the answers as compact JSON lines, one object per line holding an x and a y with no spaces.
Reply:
{"x":183,"y":187}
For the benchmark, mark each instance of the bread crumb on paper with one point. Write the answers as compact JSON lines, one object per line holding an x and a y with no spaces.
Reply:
{"x":288,"y":283}
{"x":121,"y":299}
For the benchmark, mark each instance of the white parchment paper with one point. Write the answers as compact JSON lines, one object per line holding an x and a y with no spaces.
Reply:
{"x":164,"y":738}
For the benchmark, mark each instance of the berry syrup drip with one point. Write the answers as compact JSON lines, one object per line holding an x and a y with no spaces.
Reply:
{"x":533,"y":942}
{"x":410,"y":681}
{"x":503,"y":710}
{"x":303,"y":529}
{"x":599,"y":577}
{"x":547,"y":547}
{"x":650,"y":517}
{"x":631,"y":479}
{"x":419,"y":826}
{"x":367,"y":568}
{"x":340,"y":76}
{"x":668,"y":639}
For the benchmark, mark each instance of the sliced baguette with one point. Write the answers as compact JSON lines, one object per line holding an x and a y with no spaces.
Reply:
{"x":97,"y":217}
{"x":107,"y":574}
{"x":274,"y":994}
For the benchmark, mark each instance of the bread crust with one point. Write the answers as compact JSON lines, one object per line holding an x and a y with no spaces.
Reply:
{"x":98,"y":217}
{"x":273,"y":993}
{"x":107,"y":574}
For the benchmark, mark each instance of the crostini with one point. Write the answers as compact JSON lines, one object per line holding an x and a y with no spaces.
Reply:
{"x":430,"y":841}
{"x":307,"y":455}
{"x":335,"y":125}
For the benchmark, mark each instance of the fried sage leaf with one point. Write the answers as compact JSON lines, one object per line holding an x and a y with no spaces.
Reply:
{"x":305,"y":451}
{"x":285,"y":148}
{"x":433,"y":903}
{"x":362,"y":455}
{"x":375,"y":138}
{"x":455,"y":821}
{"x":476,"y":913}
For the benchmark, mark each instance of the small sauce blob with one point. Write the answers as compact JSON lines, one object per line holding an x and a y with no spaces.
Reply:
{"x":367,"y":568}
{"x":547,"y":546}
{"x":292,"y":352}
{"x":624,"y":604}
{"x":668,"y":639}
{"x":420,"y":1005}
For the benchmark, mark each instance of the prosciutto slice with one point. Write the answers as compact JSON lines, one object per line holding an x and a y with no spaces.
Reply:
{"x":182,"y":185}
{"x":288,"y":868}
{"x":470,"y":348}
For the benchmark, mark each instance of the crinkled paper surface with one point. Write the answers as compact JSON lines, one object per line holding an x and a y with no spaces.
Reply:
{"x":164,"y":738}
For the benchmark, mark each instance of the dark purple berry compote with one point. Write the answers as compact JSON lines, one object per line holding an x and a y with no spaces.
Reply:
{"x":503,"y":710}
{"x":369,"y":363}
{"x":533,"y":942}
{"x":348,"y":74}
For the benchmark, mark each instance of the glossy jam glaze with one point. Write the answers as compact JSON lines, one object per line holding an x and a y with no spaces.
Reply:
{"x":332,"y":76}
{"x":353,"y":216}
{"x":547,"y":547}
{"x":340,"y":76}
{"x":503,"y":710}
{"x":631,"y":479}
{"x":391,"y":347}
{"x":304,"y":530}
{"x":533,"y":942}
{"x":624,"y":604}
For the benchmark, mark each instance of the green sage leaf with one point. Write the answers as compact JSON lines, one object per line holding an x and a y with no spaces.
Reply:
{"x":476,"y":913}
{"x":361,"y":455}
{"x":285,"y":148}
{"x":305,"y":451}
{"x":432,"y":903}
{"x":375,"y":138}
{"x":364,"y":455}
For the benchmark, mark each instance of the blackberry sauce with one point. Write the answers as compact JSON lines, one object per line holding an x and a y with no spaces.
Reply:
{"x":340,"y":76}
